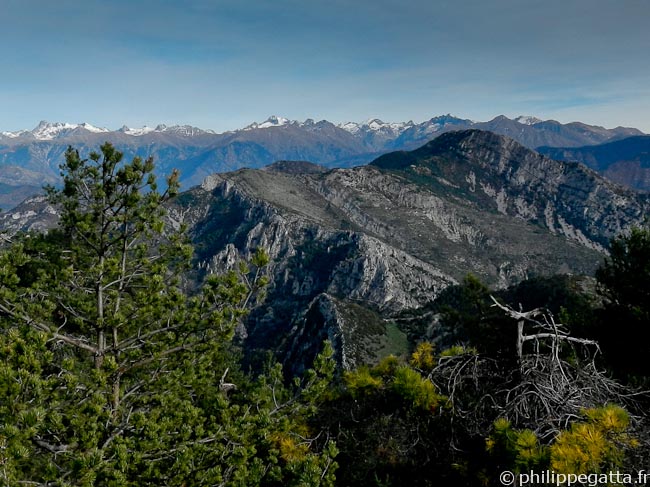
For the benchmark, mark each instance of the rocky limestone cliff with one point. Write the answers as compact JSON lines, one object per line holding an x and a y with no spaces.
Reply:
{"x":390,"y":236}
{"x":496,"y":172}
{"x":33,"y":215}
{"x":315,"y":252}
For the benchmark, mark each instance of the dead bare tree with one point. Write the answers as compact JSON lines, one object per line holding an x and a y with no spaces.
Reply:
{"x":555,"y":379}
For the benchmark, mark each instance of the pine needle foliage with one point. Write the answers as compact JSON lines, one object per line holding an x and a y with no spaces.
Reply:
{"x":595,"y":444}
{"x":113,"y":374}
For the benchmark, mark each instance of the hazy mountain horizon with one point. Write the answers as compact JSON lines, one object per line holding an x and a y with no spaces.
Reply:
{"x":47,"y":130}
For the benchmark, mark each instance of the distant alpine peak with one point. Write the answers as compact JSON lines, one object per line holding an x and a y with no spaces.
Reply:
{"x":376,"y":125}
{"x":187,"y":130}
{"x":182,"y":130}
{"x":272,"y":121}
{"x":437,"y":124}
{"x":448,"y":119}
{"x":352,"y":127}
{"x":44,"y":125}
{"x":92,"y":128}
{"x":135,"y":131}
{"x":15,"y":135}
{"x":52,"y":130}
{"x":527,"y":120}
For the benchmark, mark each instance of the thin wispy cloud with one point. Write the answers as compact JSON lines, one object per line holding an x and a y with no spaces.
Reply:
{"x":219,"y":64}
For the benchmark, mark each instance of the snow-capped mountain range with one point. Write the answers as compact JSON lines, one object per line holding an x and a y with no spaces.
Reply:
{"x":30,"y":158}
{"x":56,"y":130}
{"x":373,"y":125}
{"x":48,"y":131}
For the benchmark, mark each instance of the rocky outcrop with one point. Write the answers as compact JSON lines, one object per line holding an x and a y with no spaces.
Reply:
{"x":33,"y":215}
{"x":496,"y":172}
{"x":359,"y":336}
{"x":390,"y":236}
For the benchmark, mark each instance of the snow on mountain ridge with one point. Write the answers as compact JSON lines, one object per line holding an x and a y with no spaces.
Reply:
{"x":14,"y":135}
{"x":376,"y":125}
{"x":370,"y":125}
{"x":183,"y":130}
{"x":188,"y":130}
{"x":48,"y":131}
{"x":527,"y":120}
{"x":53,"y":130}
{"x":135,"y":132}
{"x":351,"y":127}
{"x":56,"y":130}
{"x":272,"y":121}
{"x":92,"y":128}
{"x":373,"y":128}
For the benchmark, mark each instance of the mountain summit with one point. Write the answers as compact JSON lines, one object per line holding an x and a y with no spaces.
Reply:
{"x":498,"y":173}
{"x":272,"y":121}
{"x":376,"y":240}
{"x":527,"y":120}
{"x":54,"y":130}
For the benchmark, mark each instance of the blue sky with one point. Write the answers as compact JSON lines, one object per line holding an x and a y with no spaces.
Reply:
{"x":222,"y":64}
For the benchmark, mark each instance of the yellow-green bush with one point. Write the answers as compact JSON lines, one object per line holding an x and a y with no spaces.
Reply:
{"x":595,"y":445}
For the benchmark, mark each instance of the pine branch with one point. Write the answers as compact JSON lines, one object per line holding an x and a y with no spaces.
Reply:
{"x":129,"y":342}
{"x":56,"y":449}
{"x":123,"y":369}
{"x":54,"y":335}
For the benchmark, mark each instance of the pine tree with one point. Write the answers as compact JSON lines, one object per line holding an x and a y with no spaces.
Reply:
{"x":112,"y":373}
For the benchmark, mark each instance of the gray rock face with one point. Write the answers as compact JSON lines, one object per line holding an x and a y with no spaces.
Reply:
{"x":496,"y":172}
{"x":312,"y":251}
{"x":390,"y":236}
{"x":359,"y":335}
{"x":33,"y":215}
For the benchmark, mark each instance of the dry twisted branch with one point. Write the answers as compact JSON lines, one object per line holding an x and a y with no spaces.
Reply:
{"x":554,"y":382}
